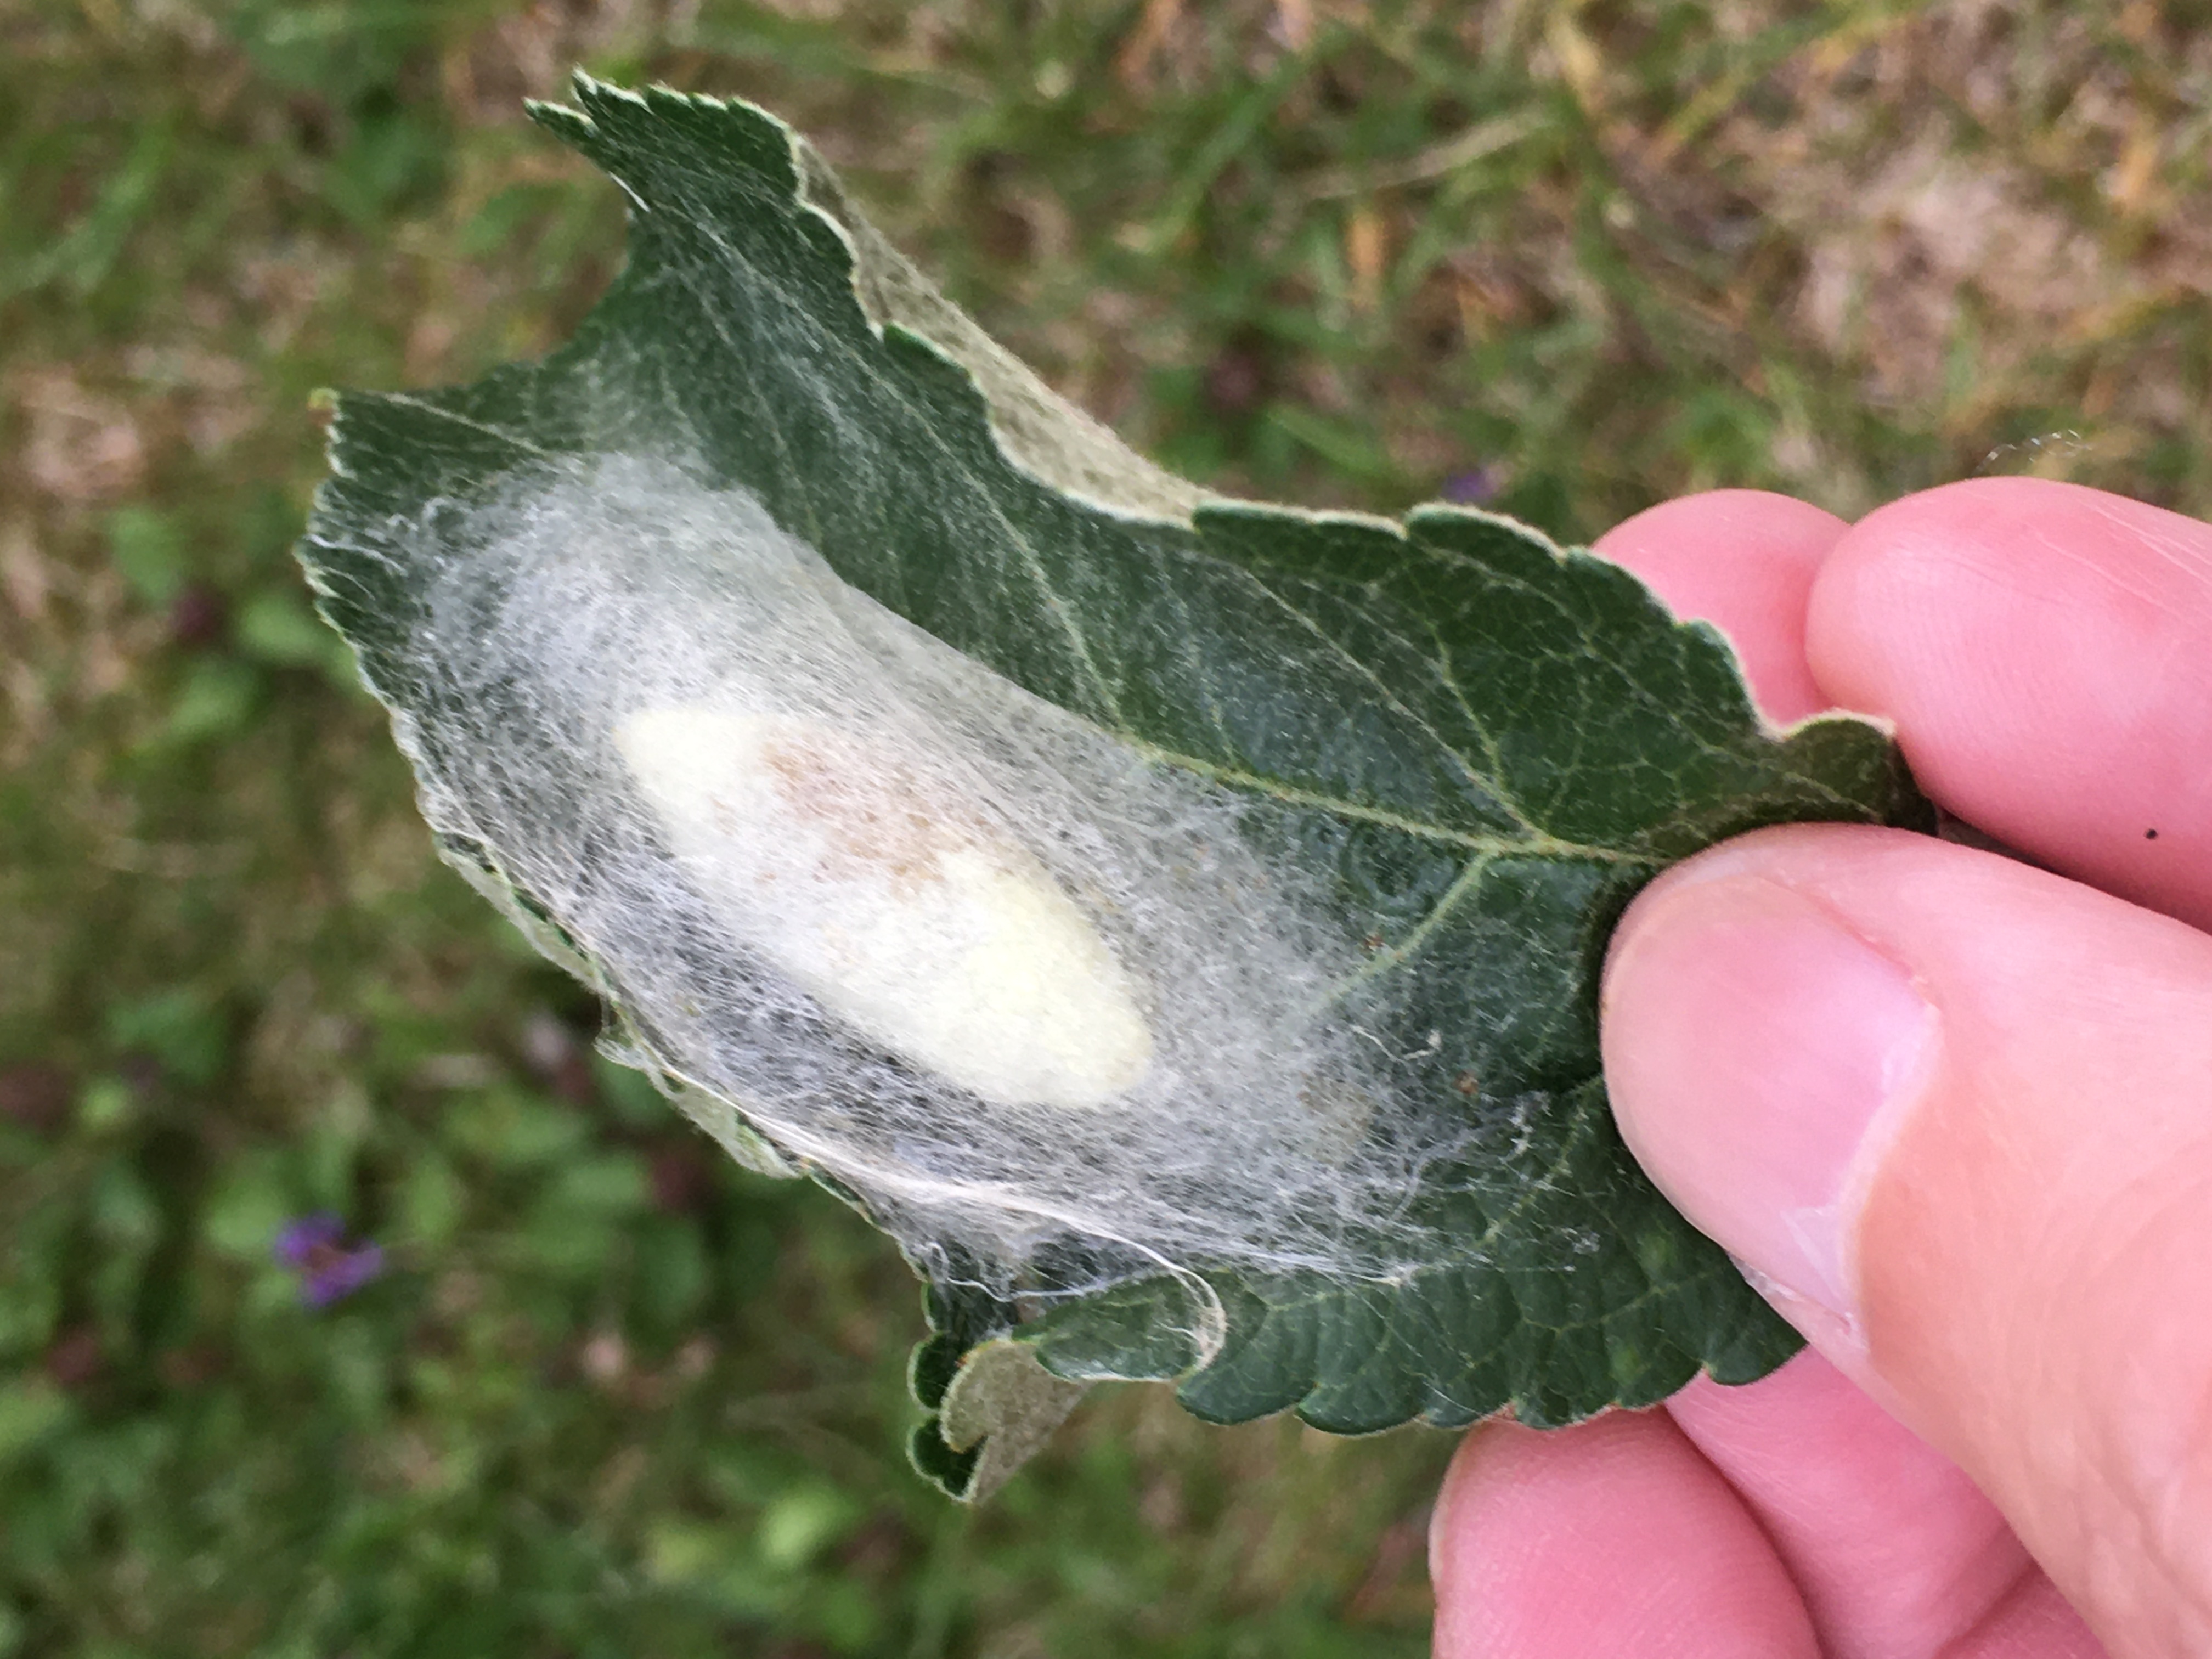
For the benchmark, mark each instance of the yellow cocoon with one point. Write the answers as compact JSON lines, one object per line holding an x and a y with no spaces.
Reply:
{"x":893,"y":901}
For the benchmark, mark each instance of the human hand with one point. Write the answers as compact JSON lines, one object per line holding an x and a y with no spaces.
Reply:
{"x":1953,"y":1112}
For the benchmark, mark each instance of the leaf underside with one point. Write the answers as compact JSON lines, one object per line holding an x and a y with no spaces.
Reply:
{"x":1491,"y":744}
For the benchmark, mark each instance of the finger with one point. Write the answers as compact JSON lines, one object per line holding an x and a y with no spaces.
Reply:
{"x":1894,"y":1550}
{"x":1743,"y":560}
{"x":1955,"y":1115}
{"x":2045,"y":651}
{"x":2034,"y":1621}
{"x":1614,"y":1537}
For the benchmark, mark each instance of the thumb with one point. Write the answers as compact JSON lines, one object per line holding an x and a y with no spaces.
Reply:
{"x":1953,"y":1115}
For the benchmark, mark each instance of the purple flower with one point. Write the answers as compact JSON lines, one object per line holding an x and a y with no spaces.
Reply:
{"x":1473,"y":486}
{"x":314,"y":1247}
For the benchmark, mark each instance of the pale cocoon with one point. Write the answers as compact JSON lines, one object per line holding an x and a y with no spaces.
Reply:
{"x":894,"y":903}
{"x":1054,"y":1008}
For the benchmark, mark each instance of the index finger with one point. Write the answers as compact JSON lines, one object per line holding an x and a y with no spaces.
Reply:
{"x":1745,"y":561}
{"x":2045,"y":652}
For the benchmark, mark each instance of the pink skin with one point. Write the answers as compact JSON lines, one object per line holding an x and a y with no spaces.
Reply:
{"x":1972,"y":1258}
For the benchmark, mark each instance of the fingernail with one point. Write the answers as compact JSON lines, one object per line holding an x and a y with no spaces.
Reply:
{"x":1758,"y":1055}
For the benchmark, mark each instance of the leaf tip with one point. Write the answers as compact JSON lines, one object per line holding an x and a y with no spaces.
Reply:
{"x":951,"y":1472}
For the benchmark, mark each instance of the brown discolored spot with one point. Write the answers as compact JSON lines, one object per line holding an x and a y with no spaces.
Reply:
{"x":881,"y":815}
{"x":1467,"y":1084}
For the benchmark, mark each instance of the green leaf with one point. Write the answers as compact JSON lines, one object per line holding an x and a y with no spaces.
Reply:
{"x":1478,"y":743}
{"x":1002,"y":1405}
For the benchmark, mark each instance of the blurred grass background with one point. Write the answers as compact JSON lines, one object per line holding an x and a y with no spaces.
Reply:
{"x":611,"y":1396}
